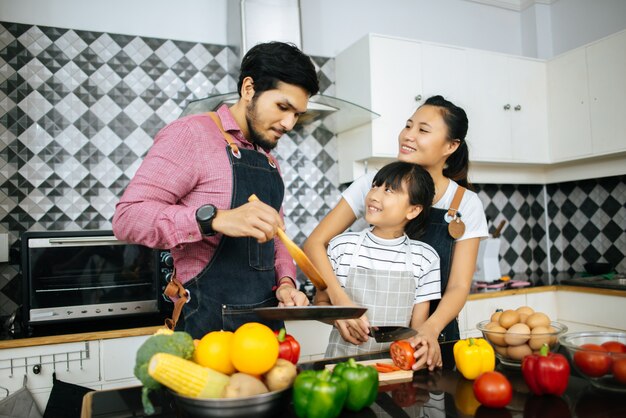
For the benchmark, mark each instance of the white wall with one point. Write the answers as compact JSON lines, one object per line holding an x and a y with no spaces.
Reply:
{"x":578,"y":22}
{"x":329,"y":26}
{"x":187,"y":20}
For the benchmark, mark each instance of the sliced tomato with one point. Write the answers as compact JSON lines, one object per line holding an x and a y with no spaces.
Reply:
{"x":402,"y":354}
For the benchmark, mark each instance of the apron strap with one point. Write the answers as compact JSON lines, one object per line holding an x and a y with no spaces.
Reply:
{"x":175,"y":289}
{"x":456,"y":201}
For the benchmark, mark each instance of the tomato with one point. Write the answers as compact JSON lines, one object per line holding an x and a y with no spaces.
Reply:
{"x":614,"y":347}
{"x":493,"y":389}
{"x":402,"y":354}
{"x":619,"y":370}
{"x":593,"y":360}
{"x":254,"y":348}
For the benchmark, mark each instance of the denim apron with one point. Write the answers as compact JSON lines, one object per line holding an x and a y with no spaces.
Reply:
{"x":240,"y":276}
{"x":387,"y":295}
{"x":438,"y":237}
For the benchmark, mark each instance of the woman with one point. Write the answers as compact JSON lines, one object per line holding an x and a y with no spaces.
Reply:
{"x":434,"y":138}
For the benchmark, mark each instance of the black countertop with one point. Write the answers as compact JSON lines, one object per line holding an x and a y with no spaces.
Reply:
{"x":443,"y":393}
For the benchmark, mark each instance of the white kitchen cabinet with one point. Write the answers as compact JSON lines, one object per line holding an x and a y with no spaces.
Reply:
{"x":606,"y":66}
{"x":118,"y":360}
{"x":384,"y":75}
{"x":508,"y":109}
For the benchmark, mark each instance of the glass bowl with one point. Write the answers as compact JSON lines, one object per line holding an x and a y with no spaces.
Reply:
{"x":594,"y":365}
{"x":268,"y":405}
{"x":511,"y":355}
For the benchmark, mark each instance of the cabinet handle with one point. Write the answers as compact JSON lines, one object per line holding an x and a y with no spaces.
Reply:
{"x":418,"y":98}
{"x":517,"y":108}
{"x":507,"y":106}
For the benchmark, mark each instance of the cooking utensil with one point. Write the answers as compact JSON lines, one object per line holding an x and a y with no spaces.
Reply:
{"x":309,"y":312}
{"x":386,"y":334}
{"x":498,"y":230}
{"x":299,"y":257}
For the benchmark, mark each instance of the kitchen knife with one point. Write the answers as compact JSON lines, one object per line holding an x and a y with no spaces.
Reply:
{"x":299,"y":257}
{"x":385,"y":334}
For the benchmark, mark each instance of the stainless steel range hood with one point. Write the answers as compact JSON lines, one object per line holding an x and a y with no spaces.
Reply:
{"x":254,"y":21}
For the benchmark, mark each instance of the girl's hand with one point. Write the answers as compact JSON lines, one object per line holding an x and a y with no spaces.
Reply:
{"x":427,"y":350}
{"x":290,"y":296}
{"x":354,"y":331}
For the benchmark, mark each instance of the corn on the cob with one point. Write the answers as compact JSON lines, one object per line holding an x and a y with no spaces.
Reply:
{"x":186,"y":377}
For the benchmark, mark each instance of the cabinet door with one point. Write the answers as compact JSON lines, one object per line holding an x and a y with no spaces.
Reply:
{"x":396,"y":81}
{"x":443,"y":73}
{"x":568,"y":107}
{"x":489,"y":134}
{"x":118,"y":357}
{"x":606,"y":63}
{"x":529,"y":110}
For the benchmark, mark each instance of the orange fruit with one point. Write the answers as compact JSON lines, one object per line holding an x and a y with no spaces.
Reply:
{"x":213,"y":351}
{"x":254,"y":348}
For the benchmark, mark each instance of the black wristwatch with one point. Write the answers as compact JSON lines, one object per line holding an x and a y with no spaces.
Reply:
{"x":205,"y":215}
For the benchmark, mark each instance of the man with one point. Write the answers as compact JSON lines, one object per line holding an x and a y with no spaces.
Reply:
{"x":190,"y":195}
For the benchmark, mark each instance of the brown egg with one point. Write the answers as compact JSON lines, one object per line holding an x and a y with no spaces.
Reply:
{"x":538,"y":337}
{"x":525,"y":310}
{"x":518,"y":352}
{"x":517,"y":334}
{"x":496,"y":333}
{"x":522,"y":317}
{"x":508,"y":318}
{"x":538,"y":319}
{"x":496,"y":315}
{"x":553,"y":336}
{"x":501,"y":350}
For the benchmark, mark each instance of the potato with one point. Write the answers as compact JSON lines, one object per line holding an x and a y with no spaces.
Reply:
{"x":538,"y":319}
{"x":538,"y":337}
{"x":280,"y":376}
{"x":509,"y":318}
{"x":517,"y":334}
{"x":242,"y":385}
{"x":496,"y":336}
{"x":518,"y":352}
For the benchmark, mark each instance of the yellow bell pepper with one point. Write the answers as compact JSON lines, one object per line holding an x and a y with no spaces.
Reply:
{"x":473,"y":357}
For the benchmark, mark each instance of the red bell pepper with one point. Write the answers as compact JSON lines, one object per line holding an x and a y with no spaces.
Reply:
{"x":289,"y":348}
{"x":546,"y":373}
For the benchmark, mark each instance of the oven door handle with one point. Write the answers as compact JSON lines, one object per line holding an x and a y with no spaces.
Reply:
{"x":83,"y":240}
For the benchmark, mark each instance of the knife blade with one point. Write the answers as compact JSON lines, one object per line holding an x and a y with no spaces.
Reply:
{"x":385,"y":334}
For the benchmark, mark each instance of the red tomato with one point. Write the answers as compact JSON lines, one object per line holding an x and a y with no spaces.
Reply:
{"x":593,"y":360}
{"x":402,"y":354}
{"x":614,"y":347}
{"x":493,"y":389}
{"x":619,"y":370}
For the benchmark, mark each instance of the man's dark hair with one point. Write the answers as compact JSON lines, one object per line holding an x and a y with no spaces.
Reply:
{"x":271,"y":62}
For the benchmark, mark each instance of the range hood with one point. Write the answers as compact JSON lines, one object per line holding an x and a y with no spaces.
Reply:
{"x":250,"y":22}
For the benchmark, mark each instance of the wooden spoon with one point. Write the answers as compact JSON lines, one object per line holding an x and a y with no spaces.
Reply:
{"x":299,"y":256}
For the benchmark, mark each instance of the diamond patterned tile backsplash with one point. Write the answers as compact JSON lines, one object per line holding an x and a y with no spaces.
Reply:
{"x":79,"y":109}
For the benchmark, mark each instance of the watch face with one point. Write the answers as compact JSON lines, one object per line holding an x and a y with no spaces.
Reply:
{"x":206,"y":212}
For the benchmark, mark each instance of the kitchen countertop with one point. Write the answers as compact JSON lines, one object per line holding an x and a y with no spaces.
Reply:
{"x":443,"y":393}
{"x":148,"y":328}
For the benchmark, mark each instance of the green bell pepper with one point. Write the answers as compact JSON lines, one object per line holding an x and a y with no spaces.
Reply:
{"x":319,"y":394}
{"x":362,"y":383}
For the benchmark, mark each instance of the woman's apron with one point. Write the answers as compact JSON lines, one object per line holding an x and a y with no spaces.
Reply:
{"x":438,"y":237}
{"x":240,"y":276}
{"x":387,"y":295}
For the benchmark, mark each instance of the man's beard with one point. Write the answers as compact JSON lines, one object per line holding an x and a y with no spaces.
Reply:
{"x":255,"y":137}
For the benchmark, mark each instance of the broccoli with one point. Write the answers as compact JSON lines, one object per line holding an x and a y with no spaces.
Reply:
{"x":177,"y":343}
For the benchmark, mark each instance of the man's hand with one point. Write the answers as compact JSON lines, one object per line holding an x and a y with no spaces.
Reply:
{"x":354,"y":331}
{"x":253,"y":219}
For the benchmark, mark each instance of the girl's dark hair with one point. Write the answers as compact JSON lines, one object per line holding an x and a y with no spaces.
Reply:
{"x":457,"y":164}
{"x":271,"y":62}
{"x":420,"y":188}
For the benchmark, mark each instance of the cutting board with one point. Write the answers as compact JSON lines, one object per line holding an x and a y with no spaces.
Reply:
{"x":385,"y":378}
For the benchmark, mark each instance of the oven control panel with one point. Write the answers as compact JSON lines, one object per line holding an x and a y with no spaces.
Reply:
{"x":92,"y":311}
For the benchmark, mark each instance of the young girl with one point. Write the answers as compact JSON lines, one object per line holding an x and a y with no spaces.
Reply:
{"x":434,"y":138}
{"x":381,"y":268}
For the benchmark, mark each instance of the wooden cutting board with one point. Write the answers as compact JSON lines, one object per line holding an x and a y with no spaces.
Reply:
{"x":385,"y":378}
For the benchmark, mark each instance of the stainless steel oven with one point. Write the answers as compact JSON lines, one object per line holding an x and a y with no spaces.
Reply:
{"x":81,"y":275}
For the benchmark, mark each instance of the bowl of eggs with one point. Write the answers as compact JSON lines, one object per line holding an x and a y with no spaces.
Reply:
{"x":516,"y":333}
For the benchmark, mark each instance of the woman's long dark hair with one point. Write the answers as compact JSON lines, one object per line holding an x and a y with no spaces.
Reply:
{"x":419,"y":186}
{"x":457,"y":164}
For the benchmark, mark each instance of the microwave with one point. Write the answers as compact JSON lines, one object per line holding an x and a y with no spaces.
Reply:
{"x":89,"y":275}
